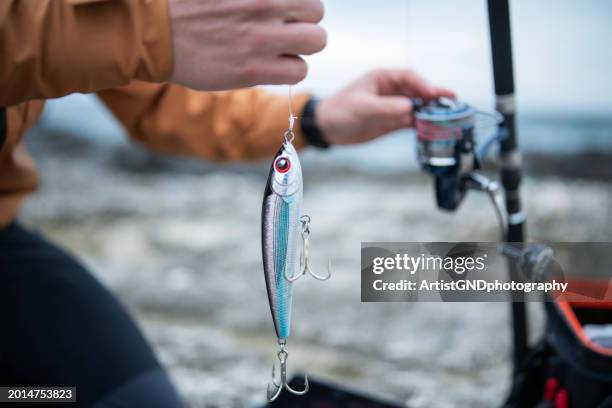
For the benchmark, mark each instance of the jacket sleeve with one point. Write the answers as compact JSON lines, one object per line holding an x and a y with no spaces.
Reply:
{"x":231,"y":125}
{"x":50,"y":48}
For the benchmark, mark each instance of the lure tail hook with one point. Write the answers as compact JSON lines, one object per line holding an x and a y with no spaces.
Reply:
{"x":277,"y":385}
{"x":305,"y":258}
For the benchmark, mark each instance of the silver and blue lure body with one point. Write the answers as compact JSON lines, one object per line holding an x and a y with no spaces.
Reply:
{"x":282,"y":228}
{"x":281,"y":234}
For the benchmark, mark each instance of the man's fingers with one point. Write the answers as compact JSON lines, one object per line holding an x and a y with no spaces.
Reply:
{"x":299,"y":39}
{"x":284,"y":70}
{"x":408,"y":83}
{"x":444,"y":92}
{"x":308,"y":11}
{"x":388,"y":108}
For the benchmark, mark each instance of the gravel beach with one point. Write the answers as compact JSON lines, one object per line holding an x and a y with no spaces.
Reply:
{"x":179,"y":245}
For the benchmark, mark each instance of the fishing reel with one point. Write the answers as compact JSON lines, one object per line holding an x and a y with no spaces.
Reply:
{"x":446,"y":148}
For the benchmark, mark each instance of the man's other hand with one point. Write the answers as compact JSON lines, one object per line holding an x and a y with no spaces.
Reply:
{"x":373,"y":105}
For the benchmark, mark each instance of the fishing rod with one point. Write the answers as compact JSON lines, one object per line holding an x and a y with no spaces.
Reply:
{"x":447,"y":150}
{"x":510,"y":157}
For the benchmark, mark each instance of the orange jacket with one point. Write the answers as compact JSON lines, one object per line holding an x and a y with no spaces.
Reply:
{"x":122,"y":50}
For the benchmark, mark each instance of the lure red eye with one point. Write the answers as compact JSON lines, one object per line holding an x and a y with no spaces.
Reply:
{"x":282,"y":165}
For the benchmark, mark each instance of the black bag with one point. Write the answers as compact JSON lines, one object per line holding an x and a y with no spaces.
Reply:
{"x":327,"y":395}
{"x":566,"y":360}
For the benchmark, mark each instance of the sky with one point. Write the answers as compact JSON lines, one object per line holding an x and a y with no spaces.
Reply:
{"x":563,"y":61}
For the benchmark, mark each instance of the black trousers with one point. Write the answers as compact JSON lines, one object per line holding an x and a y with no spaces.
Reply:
{"x":61,"y":327}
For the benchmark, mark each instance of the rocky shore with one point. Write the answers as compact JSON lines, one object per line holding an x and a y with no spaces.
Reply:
{"x":179,"y":244}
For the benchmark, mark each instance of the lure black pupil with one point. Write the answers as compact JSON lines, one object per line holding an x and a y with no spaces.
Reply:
{"x":282,"y":164}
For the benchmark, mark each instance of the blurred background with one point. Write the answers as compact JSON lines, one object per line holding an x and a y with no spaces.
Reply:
{"x":188,"y":264}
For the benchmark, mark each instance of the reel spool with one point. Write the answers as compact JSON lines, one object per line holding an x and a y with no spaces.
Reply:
{"x":445,"y":135}
{"x":440,"y":125}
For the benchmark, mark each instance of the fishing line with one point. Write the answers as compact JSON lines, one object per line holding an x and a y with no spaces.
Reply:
{"x":483,"y":149}
{"x":495,"y":119}
{"x":289,"y":135}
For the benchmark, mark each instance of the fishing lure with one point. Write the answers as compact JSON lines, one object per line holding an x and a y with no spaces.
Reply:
{"x":283,"y":225}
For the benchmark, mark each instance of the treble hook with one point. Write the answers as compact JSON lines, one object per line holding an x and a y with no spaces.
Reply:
{"x":282,"y":382}
{"x":304,"y":257}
